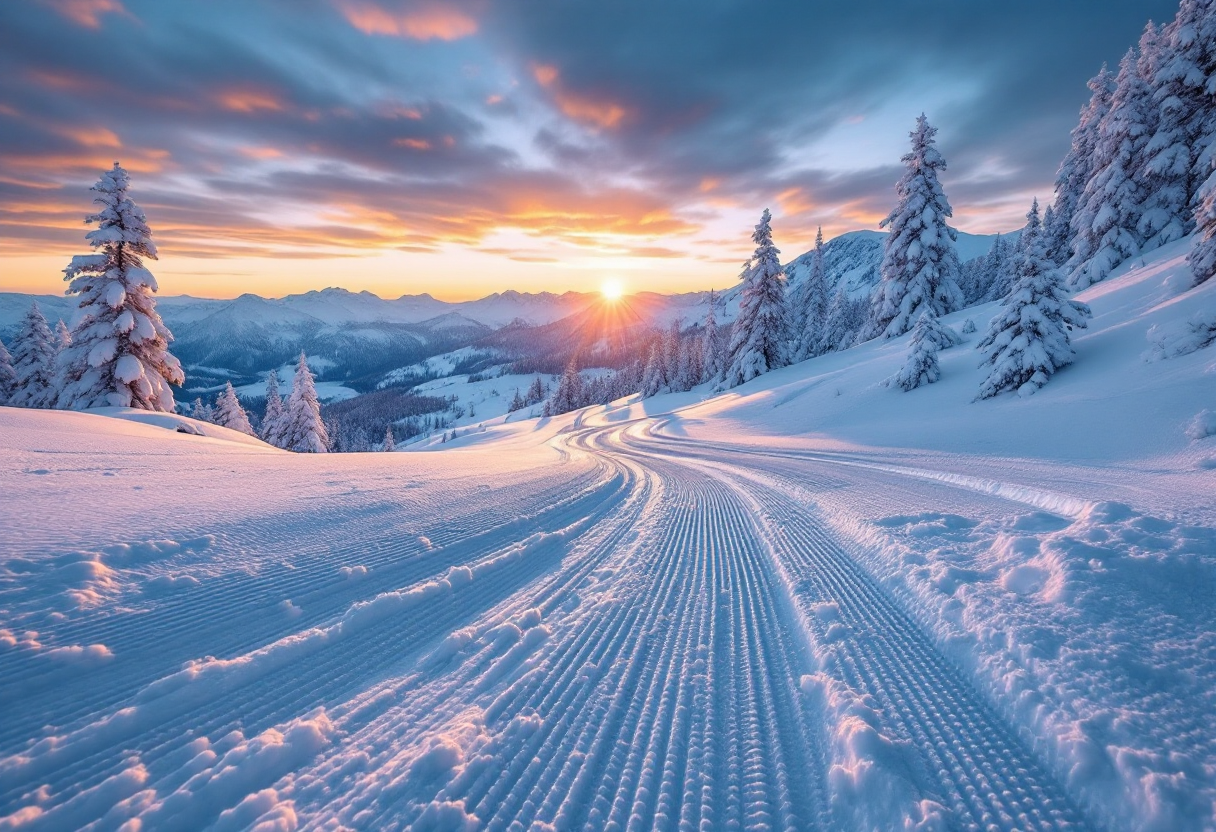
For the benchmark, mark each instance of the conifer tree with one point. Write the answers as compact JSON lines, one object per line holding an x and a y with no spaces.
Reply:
{"x":712,"y":360}
{"x":569,"y":393}
{"x":1181,"y":148}
{"x":389,"y":444}
{"x":758,"y":338}
{"x":840,"y":330}
{"x":1166,"y":214}
{"x":34,"y":362}
{"x":272,"y":416}
{"x":8,"y":378}
{"x":671,"y":354}
{"x":119,"y":354}
{"x":1029,"y":339}
{"x":921,"y":366}
{"x":228,"y":412}
{"x":303,"y":429}
{"x":1076,"y":169}
{"x":63,"y":338}
{"x":536,"y":392}
{"x":1106,"y":225}
{"x":202,"y":412}
{"x":654,"y":379}
{"x":517,"y":402}
{"x":811,"y":307}
{"x":1203,"y":253}
{"x":919,"y":262}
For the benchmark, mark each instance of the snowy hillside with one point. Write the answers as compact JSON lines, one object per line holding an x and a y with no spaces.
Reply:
{"x":873,"y":609}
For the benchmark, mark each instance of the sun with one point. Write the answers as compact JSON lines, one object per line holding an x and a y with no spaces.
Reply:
{"x":612,"y":289}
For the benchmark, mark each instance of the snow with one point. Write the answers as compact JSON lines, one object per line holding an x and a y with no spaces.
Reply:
{"x":812,"y":602}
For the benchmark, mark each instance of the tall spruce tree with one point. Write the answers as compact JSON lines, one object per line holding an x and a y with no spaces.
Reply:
{"x":8,"y":378}
{"x":1166,"y":215}
{"x":272,"y":416}
{"x":229,"y":413}
{"x":713,"y":362}
{"x":758,"y":338}
{"x":119,"y":354}
{"x":33,"y":358}
{"x":654,"y":377}
{"x":63,"y":337}
{"x":919,"y":262}
{"x":1106,"y":225}
{"x":811,"y":307}
{"x":389,"y":445}
{"x":303,"y":430}
{"x":1076,"y":169}
{"x":1029,"y":339}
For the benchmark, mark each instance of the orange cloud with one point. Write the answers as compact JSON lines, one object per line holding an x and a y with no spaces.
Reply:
{"x":248,"y":101}
{"x":709,"y":183}
{"x":588,"y":110}
{"x":545,"y":74}
{"x":794,"y":202}
{"x":90,"y":136}
{"x":144,"y":161}
{"x":87,"y":13}
{"x":413,"y":144}
{"x":261,"y":152}
{"x":429,"y":22}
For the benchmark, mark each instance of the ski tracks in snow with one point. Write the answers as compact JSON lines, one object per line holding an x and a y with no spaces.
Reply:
{"x":666,"y":636}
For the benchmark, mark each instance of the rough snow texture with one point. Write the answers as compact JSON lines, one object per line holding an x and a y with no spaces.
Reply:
{"x":119,"y":355}
{"x":758,"y":340}
{"x":919,"y":264}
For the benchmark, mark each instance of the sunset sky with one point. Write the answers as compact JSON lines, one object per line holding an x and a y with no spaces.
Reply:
{"x":462,"y":148}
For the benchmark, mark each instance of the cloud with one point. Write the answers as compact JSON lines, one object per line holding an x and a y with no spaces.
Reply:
{"x":87,"y":13}
{"x":430,"y":21}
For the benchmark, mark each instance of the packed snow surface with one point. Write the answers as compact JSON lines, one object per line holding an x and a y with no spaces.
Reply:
{"x":816,"y":602}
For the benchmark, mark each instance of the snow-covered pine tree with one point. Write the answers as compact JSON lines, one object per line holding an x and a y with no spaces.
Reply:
{"x":202,"y":412}
{"x":536,"y":392}
{"x":1106,"y":225}
{"x":303,"y":430}
{"x":517,"y":402}
{"x":34,"y":362}
{"x":921,"y":365}
{"x":654,"y":379}
{"x":671,"y":355}
{"x":1077,"y":168}
{"x":758,"y":338}
{"x":8,"y":378}
{"x":968,"y":326}
{"x":919,"y":261}
{"x":713,"y":362}
{"x":1166,"y":214}
{"x":119,"y":354}
{"x":230,"y":414}
{"x":1203,"y":252}
{"x":389,"y":443}
{"x":811,"y":307}
{"x":272,"y":416}
{"x":690,"y":365}
{"x":1185,"y":92}
{"x":63,"y":337}
{"x":840,"y":330}
{"x":1029,"y":339}
{"x":569,"y":393}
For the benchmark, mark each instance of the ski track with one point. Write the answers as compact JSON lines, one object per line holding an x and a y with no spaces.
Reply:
{"x":631,"y":642}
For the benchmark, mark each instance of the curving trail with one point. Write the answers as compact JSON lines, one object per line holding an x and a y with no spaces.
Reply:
{"x":653,"y":634}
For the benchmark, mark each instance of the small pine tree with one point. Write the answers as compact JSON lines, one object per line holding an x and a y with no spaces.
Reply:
{"x":919,"y":261}
{"x":303,"y":429}
{"x":810,"y":304}
{"x":758,"y":338}
{"x":921,"y":366}
{"x":119,"y":354}
{"x":517,"y":402}
{"x":202,"y":412}
{"x":1106,"y":225}
{"x":536,"y":392}
{"x":968,"y":326}
{"x":690,"y":365}
{"x":569,"y":393}
{"x":671,"y":355}
{"x":389,"y":444}
{"x":1029,"y":339}
{"x":34,"y":362}
{"x":712,"y":360}
{"x":230,"y":414}
{"x":272,"y":416}
{"x":63,"y":337}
